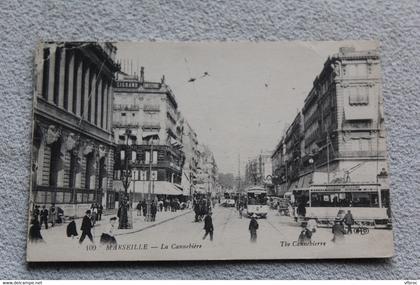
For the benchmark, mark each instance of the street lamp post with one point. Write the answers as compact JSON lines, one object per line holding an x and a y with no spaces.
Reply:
{"x":150,"y":139}
{"x":124,"y":218}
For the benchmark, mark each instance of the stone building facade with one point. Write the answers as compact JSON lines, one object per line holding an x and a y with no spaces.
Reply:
{"x":147,"y":109}
{"x":341,"y":133}
{"x":207,"y":171}
{"x":72,"y":140}
{"x":192,"y":155}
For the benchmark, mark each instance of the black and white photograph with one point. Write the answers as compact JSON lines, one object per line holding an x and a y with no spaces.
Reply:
{"x":154,"y":151}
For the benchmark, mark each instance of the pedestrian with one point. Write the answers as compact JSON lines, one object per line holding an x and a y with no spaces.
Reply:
{"x":94,"y":211}
{"x":100,"y":211}
{"x":153,"y":211}
{"x":144,"y":208}
{"x":71,"y":229}
{"x":338,"y":231}
{"x":160,"y":203}
{"x":197,"y":212}
{"x":107,"y":236}
{"x":208,"y":226}
{"x":44,"y":217}
{"x":123,"y":214}
{"x":349,"y":221}
{"x":35,"y":231}
{"x":306,"y":234}
{"x":241,"y":209}
{"x":36,"y":213}
{"x":166,"y":204}
{"x":253,"y":227}
{"x":53,"y":215}
{"x":138,"y":208}
{"x":301,"y":209}
{"x":86,"y":227}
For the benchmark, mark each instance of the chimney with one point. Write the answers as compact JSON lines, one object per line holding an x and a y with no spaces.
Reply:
{"x":162,"y":81}
{"x":141,"y":74}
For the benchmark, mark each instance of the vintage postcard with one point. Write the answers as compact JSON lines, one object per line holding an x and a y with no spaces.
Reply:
{"x":208,"y":151}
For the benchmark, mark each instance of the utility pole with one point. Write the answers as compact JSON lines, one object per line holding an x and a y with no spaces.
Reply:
{"x":239,"y":172}
{"x":328,"y":158}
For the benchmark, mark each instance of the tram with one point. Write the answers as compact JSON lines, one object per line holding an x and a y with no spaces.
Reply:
{"x":368,"y":203}
{"x":228,"y":200}
{"x":256,"y":202}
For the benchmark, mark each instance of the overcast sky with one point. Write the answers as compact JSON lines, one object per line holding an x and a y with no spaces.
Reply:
{"x":253,"y":92}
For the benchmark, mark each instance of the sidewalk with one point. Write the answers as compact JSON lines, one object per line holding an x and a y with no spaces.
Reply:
{"x":59,"y":230}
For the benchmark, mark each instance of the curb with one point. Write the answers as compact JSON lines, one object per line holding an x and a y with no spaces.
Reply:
{"x":155,"y":224}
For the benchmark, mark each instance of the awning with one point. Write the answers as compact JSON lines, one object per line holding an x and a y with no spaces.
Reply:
{"x":358,"y":112}
{"x":201,"y":188}
{"x":150,"y":134}
{"x":159,"y":187}
{"x":305,"y":181}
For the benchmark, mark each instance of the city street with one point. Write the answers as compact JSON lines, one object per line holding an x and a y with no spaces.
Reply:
{"x":177,"y":236}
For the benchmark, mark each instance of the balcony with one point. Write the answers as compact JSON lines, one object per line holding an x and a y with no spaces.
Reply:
{"x":130,"y":125}
{"x":127,"y":84}
{"x":151,"y":108}
{"x":123,"y":107}
{"x":361,"y":153}
{"x":64,"y":195}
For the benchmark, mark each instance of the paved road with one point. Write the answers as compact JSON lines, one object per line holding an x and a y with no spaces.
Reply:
{"x":181,"y":238}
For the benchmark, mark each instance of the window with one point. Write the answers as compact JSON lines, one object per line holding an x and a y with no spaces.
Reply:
{"x":155,"y":157}
{"x":143,"y":175}
{"x":147,"y":157}
{"x":122,"y":155}
{"x":133,"y":156}
{"x":358,"y":95}
{"x":154,"y":175}
{"x":135,"y":174}
{"x":123,"y":114}
{"x":344,"y":199}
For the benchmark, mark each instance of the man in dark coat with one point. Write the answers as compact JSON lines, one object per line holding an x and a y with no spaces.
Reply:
{"x":35,"y":231}
{"x":253,"y":227}
{"x":86,"y":227}
{"x":44,"y":217}
{"x":100,"y":211}
{"x":305,"y":235}
{"x":338,"y":230}
{"x":197,"y":211}
{"x":153,"y":210}
{"x":301,"y":209}
{"x":36,"y":213}
{"x":71,"y":229}
{"x":144,"y":207}
{"x":349,"y":221}
{"x":208,"y":226}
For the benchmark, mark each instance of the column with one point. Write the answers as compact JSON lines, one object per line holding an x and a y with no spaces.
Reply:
{"x":99,"y":104}
{"x":93,"y":99}
{"x":79,"y":88}
{"x":60,"y":167}
{"x":40,"y":162}
{"x":110,"y":96}
{"x":39,"y":69}
{"x":62,"y":78}
{"x":105,"y":103}
{"x":78,"y":171}
{"x":85,"y":110}
{"x":51,"y":75}
{"x":70,"y":82}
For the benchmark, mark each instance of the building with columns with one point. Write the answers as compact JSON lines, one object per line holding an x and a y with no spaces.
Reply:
{"x":72,"y":132}
{"x":340,"y":134}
